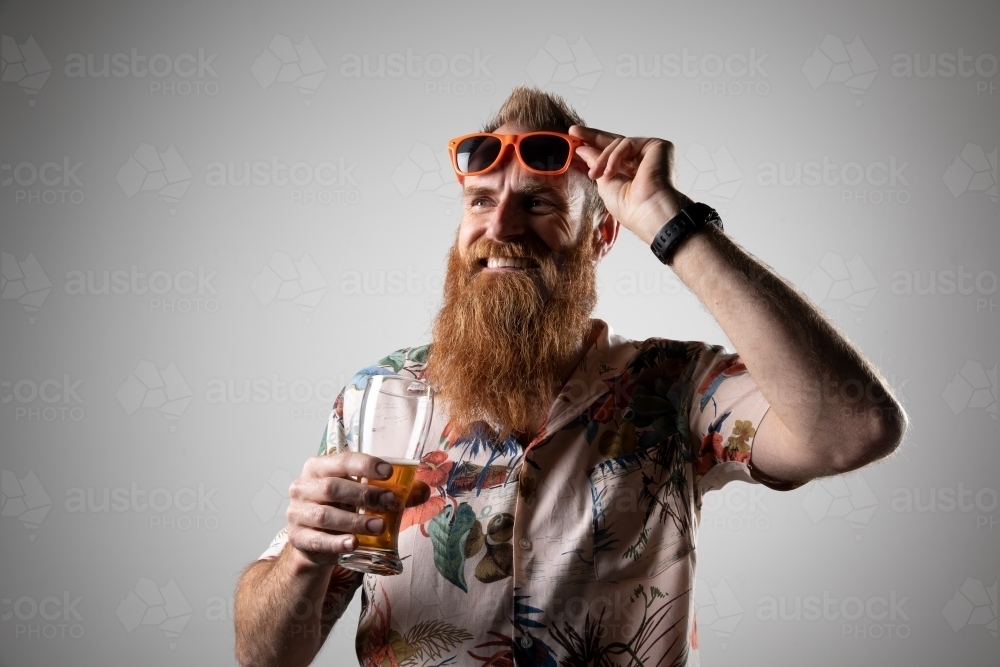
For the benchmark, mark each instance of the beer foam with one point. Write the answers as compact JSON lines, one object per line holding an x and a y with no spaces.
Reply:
{"x":399,"y":462}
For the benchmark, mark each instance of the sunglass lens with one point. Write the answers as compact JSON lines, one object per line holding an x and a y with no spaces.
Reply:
{"x":477,"y":153}
{"x":545,"y":152}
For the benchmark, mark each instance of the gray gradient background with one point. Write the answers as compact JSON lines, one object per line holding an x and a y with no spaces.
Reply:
{"x":757,"y":547}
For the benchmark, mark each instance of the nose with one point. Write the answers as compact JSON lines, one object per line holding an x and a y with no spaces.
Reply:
{"x":508,"y":220}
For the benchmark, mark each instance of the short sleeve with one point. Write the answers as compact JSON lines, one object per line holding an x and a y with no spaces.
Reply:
{"x":724,"y":413}
{"x":334,"y":440}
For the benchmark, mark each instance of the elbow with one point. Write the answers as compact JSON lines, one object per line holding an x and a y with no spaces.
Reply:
{"x":877,"y":437}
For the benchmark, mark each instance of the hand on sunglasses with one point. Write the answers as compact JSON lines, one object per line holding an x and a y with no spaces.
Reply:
{"x":635,"y":177}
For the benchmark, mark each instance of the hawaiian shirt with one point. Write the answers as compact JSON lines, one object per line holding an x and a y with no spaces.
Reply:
{"x":577,"y":548}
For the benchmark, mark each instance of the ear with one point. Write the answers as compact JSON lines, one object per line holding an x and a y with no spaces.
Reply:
{"x":605,"y":235}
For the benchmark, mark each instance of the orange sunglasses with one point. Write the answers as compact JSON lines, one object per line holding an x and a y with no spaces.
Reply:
{"x":545,"y":153}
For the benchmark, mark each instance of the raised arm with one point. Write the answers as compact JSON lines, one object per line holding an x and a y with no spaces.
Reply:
{"x":831,"y":411}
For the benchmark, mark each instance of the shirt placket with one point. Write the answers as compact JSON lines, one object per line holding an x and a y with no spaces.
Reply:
{"x":588,"y":383}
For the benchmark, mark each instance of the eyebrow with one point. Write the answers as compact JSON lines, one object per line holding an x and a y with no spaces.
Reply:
{"x":527,"y":189}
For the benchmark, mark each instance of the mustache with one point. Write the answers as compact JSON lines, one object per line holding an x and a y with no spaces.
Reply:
{"x":531,"y":247}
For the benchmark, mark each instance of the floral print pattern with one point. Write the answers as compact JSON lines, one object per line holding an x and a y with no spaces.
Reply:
{"x":576,"y":548}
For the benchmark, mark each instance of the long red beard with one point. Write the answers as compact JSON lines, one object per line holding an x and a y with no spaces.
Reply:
{"x":501,"y":341}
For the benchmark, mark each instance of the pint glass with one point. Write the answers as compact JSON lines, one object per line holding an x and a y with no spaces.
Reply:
{"x":394,"y":422}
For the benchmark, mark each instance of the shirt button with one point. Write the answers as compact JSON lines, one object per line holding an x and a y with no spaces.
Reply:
{"x":526,"y":641}
{"x":525,"y":544}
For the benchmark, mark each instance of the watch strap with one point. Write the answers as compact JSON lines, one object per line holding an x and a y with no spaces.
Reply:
{"x":688,"y":220}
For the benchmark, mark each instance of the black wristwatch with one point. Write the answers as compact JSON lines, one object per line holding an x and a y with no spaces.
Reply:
{"x":682,"y":225}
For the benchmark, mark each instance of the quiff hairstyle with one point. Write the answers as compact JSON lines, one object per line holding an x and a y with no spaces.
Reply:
{"x":535,"y":109}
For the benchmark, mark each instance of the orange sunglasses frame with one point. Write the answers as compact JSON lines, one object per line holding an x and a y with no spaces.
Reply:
{"x":514,"y":140}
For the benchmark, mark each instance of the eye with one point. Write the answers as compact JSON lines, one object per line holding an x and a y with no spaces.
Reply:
{"x":538,"y":205}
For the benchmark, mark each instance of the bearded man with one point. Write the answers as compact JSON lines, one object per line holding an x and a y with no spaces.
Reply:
{"x":555,"y":524}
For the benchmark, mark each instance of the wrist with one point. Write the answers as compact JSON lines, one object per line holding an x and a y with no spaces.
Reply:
{"x":677,"y":231}
{"x":658,"y":211}
{"x":299,"y":564}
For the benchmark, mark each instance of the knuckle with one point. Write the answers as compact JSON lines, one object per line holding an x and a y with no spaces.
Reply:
{"x":370,"y":495}
{"x":358,"y":523}
{"x":315,"y":543}
{"x":331,"y":487}
{"x":317,"y":516}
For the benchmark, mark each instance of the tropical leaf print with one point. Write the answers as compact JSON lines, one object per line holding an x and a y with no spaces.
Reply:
{"x":430,"y":640}
{"x":502,"y":656}
{"x":448,"y":531}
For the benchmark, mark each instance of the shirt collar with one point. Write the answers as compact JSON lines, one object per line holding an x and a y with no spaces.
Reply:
{"x":593,"y":377}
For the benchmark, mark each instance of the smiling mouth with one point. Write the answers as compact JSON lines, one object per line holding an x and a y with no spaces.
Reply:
{"x":508,"y":263}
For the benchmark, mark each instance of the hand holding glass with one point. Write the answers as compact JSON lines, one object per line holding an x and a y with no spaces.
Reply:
{"x":395,"y":420}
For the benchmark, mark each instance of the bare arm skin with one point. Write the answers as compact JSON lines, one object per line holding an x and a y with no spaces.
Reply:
{"x":831,"y":411}
{"x":280,"y":615}
{"x":285,"y":607}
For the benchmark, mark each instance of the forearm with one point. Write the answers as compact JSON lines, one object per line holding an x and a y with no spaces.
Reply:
{"x":822,"y":389}
{"x":279,"y":611}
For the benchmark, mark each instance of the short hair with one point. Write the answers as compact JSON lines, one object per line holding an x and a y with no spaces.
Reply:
{"x":535,"y":109}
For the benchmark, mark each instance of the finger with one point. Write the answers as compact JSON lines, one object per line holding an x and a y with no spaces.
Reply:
{"x":593,"y":136}
{"x":321,"y":547}
{"x":623,"y":151}
{"x":333,"y":519}
{"x":600,"y":164}
{"x":419,"y":494}
{"x":343,"y":464}
{"x":588,"y":154}
{"x":338,"y":490}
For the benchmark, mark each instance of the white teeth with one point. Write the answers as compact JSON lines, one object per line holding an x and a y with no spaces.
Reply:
{"x":499,"y":262}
